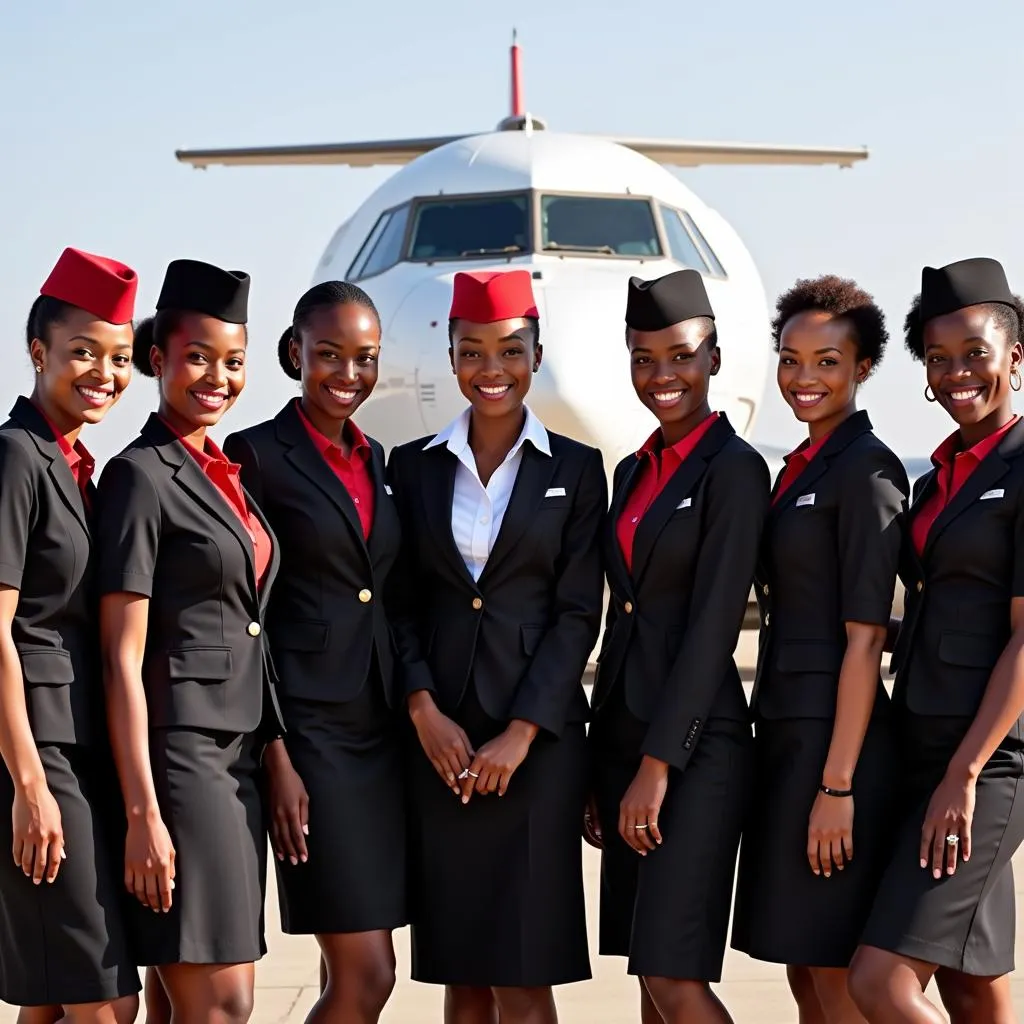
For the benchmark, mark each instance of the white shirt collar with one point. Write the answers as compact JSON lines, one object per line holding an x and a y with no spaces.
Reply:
{"x":456,"y":435}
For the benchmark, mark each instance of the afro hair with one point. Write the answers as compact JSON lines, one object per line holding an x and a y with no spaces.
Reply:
{"x":1010,"y":319}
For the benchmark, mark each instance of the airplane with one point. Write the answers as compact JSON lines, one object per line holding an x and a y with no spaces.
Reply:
{"x":583,"y":213}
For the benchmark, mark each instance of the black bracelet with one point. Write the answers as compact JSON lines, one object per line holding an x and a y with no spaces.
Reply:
{"x":835,"y":792}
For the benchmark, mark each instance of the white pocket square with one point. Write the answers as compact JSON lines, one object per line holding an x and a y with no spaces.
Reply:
{"x":805,"y":499}
{"x":555,"y":492}
{"x":685,"y":503}
{"x":387,"y":490}
{"x":997,"y":492}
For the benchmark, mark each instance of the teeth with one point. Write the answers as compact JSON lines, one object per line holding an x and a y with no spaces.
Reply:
{"x":213,"y":399}
{"x":495,"y":390}
{"x":342,"y":396}
{"x":95,"y":394}
{"x":965,"y":396}
{"x":806,"y":397}
{"x":667,"y":396}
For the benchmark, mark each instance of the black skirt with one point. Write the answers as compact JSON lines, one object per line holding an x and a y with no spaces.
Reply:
{"x":965,"y":921}
{"x":206,"y":785}
{"x":668,"y":912}
{"x":351,"y":760}
{"x":65,"y":943}
{"x":497,"y":884}
{"x":784,"y":912}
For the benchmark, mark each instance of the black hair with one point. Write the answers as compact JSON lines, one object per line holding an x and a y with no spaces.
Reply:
{"x":843,"y":299}
{"x":1009,"y":319}
{"x":533,"y":321}
{"x":320,"y":296}
{"x":44,"y":313}
{"x":155,"y":330}
{"x":711,"y":338}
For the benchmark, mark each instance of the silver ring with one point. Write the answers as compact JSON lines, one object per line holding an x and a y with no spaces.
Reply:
{"x":952,"y":840}
{"x":472,"y":775}
{"x":639,"y":827}
{"x":463,"y":773}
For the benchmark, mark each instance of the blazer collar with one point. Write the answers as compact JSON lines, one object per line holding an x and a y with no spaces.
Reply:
{"x":34,"y":423}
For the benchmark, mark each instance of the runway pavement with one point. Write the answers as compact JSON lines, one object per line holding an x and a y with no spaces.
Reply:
{"x":755,"y":993}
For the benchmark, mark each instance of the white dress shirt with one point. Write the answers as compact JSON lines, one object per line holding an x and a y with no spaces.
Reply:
{"x":477,"y":511}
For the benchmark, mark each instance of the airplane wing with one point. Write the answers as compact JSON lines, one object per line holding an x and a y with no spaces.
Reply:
{"x":676,"y":152}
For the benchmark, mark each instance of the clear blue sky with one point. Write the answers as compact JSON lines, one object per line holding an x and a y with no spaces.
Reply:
{"x":94,"y":99}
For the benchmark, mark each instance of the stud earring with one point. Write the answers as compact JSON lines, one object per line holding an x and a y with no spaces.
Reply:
{"x":931,"y":397}
{"x":39,"y":369}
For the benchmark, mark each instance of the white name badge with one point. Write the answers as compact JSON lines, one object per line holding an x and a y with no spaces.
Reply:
{"x":555,"y":492}
{"x":805,"y":499}
{"x":685,"y":503}
{"x":387,"y":490}
{"x":997,"y":492}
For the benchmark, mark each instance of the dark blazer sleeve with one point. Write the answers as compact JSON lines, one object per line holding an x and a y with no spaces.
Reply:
{"x":546,"y":691}
{"x":401,"y":591}
{"x":128,"y":529}
{"x":17,"y":510}
{"x":737,"y":503}
{"x":238,"y":450}
{"x":869,"y":531}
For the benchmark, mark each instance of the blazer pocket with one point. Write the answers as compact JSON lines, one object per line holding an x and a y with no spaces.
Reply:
{"x":531,"y":637}
{"x":969,"y":650}
{"x":202,"y":664}
{"x":302,"y":635}
{"x":46,"y":666}
{"x":808,"y":656}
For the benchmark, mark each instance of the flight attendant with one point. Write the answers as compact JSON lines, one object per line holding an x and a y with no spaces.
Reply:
{"x":825,"y":582}
{"x":671,"y":739}
{"x":187,"y":561}
{"x":945,"y":906}
{"x":63,"y":944}
{"x":502,"y":605}
{"x":320,"y":482}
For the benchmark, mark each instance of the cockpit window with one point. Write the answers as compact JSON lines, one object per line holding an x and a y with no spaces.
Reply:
{"x":493,"y":225}
{"x":383,"y":246}
{"x":598,"y":224}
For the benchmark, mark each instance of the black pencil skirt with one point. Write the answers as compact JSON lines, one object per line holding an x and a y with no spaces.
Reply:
{"x":668,"y":912}
{"x":497,"y":884}
{"x":965,"y":921}
{"x":784,"y":912}
{"x":351,"y":760}
{"x":66,"y":942}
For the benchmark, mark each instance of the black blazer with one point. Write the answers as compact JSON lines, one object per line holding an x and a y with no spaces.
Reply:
{"x":957,"y":612}
{"x":673,"y":624}
{"x":326,"y":615}
{"x":524,"y":632}
{"x":166,"y":532}
{"x":46,"y":554}
{"x":829,"y":555}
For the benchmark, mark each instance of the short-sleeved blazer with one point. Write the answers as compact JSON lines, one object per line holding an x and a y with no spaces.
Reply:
{"x":673,"y":624}
{"x":829,"y":555}
{"x":957,"y":611}
{"x":326,"y":616}
{"x":523,"y":633}
{"x":46,"y":554}
{"x":167,"y":533}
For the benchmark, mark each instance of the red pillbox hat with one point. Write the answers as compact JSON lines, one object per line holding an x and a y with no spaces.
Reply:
{"x":497,"y":295}
{"x":96,"y":284}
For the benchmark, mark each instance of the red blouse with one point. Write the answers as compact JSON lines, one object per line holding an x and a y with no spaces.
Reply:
{"x":80,"y":462}
{"x":659,"y":465}
{"x":353,"y":472}
{"x":953,"y":470}
{"x":224,"y":476}
{"x":796,"y":462}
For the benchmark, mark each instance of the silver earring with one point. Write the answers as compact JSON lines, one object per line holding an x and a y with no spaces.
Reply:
{"x":39,"y":369}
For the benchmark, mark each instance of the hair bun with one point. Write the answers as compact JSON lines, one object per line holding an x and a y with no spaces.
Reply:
{"x":145,"y":335}
{"x":284,"y":355}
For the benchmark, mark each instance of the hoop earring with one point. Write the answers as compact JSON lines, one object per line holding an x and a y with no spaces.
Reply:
{"x":927,"y":389}
{"x":1015,"y":379}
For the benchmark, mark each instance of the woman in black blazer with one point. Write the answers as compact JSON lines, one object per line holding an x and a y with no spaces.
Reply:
{"x":320,"y":483}
{"x":945,"y":907}
{"x":825,"y":582}
{"x":63,"y":944}
{"x":671,"y":735}
{"x":499,"y":606}
{"x":187,"y":561}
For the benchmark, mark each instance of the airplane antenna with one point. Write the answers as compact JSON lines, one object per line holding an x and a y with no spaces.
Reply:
{"x":517,"y":81}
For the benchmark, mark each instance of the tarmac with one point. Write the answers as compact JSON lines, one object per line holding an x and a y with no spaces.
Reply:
{"x":287,"y":979}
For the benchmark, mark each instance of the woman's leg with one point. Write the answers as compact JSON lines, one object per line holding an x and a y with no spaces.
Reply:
{"x":360,"y":977}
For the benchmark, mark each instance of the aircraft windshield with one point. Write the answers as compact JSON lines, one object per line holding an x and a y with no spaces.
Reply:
{"x":446,"y":229}
{"x":598,"y":224}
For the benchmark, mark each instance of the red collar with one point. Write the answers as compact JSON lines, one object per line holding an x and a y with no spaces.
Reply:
{"x":73,"y":455}
{"x":209,"y":454}
{"x":806,"y":450}
{"x":946,"y":454}
{"x":325,"y":446}
{"x":683,"y":447}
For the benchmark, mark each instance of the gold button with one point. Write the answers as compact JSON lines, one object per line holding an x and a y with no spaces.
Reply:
{"x":477,"y":604}
{"x":628,"y":607}
{"x":920,"y":586}
{"x":253,"y":629}
{"x":365,"y":596}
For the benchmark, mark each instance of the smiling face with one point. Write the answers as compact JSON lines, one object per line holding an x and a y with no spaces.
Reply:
{"x":86,"y":365}
{"x":494,"y":363}
{"x":672,"y":370}
{"x":201,"y":371}
{"x":337,"y":352}
{"x":819,"y":369}
{"x":969,"y":357}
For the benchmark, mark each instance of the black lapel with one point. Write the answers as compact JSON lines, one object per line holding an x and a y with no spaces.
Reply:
{"x":681,"y":486}
{"x":60,"y":472}
{"x":303,"y":455}
{"x":195,"y":482}
{"x":992,"y":469}
{"x":275,"y":554}
{"x":438,"y":490}
{"x":381,"y":502}
{"x":615,"y":559}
